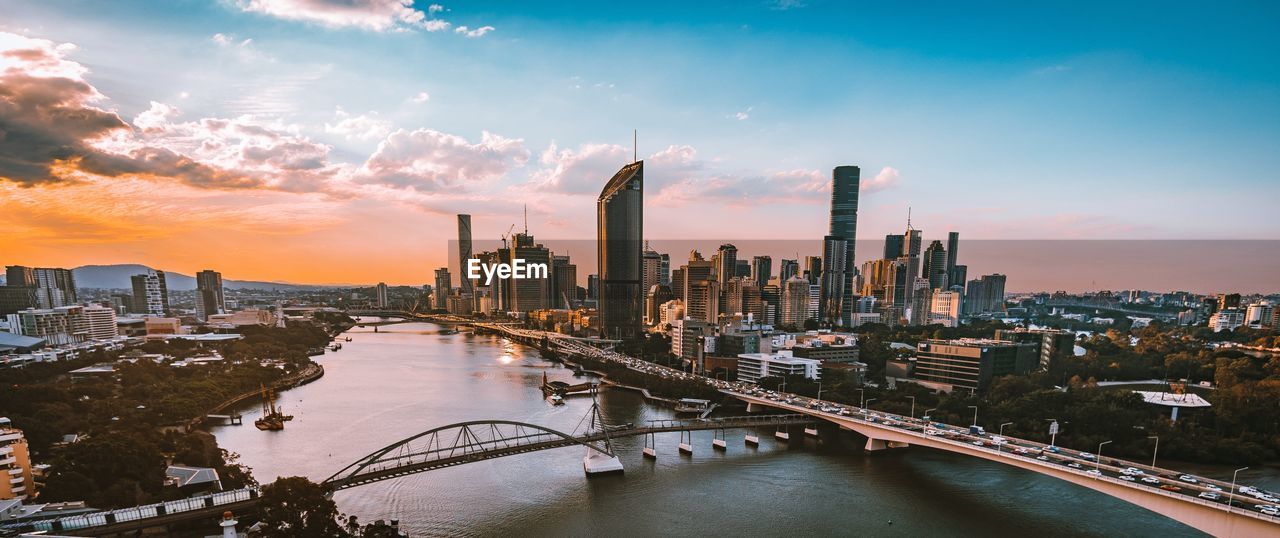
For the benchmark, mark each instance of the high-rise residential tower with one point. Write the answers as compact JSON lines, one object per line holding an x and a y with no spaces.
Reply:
{"x":892,"y":246}
{"x":210,"y":297}
{"x":953,"y":249}
{"x":444,"y":285}
{"x":838,"y":288}
{"x":619,"y":246}
{"x":651,"y":267}
{"x":151,"y":293}
{"x":935,"y":266}
{"x":762,"y":270}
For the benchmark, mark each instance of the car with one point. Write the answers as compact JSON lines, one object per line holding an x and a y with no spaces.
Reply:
{"x":1270,"y":511}
{"x":1269,"y":498}
{"x":1133,"y":471}
{"x":979,"y":443}
{"x":1208,"y":495}
{"x":1250,"y":490}
{"x":1094,"y":472}
{"x":1170,"y":487}
{"x":1213,"y":487}
{"x":1087,"y":456}
{"x":1021,"y":451}
{"x":1075,"y":465}
{"x":1151,"y":480}
{"x":1128,"y":478}
{"x":1188,"y":479}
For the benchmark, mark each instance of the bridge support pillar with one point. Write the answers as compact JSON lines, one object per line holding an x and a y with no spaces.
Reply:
{"x":595,"y":463}
{"x":876,"y":445}
{"x":754,"y":407}
{"x":752,"y":440}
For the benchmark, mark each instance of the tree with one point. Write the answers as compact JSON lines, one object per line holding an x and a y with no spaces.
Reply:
{"x":295,"y":506}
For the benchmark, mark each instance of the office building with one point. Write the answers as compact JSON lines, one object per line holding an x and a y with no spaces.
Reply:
{"x":1259,"y":315}
{"x":786,"y":269}
{"x":18,"y":275}
{"x":762,"y":270}
{"x":971,"y":364}
{"x":838,"y":246}
{"x":813,"y":270}
{"x":702,"y":300}
{"x":619,"y":236}
{"x":664,"y":270}
{"x":1053,"y":345}
{"x":985,"y":295}
{"x":210,"y":295}
{"x":101,"y":322}
{"x":1228,"y":300}
{"x":892,"y":246}
{"x":658,"y":295}
{"x":564,"y":276}
{"x":527,"y":294}
{"x":1226,"y":320}
{"x":752,"y":367}
{"x":741,"y":296}
{"x":726,"y":260}
{"x":54,"y":287}
{"x":945,"y":308}
{"x":16,"y":479}
{"x":380,"y":295}
{"x":444,"y":286}
{"x":650,"y":268}
{"x":795,"y":302}
{"x":65,"y":325}
{"x":935,"y":266}
{"x":833,"y":278}
{"x":957,"y":277}
{"x":953,"y":250}
{"x":150,"y":293}
{"x":15,"y":298}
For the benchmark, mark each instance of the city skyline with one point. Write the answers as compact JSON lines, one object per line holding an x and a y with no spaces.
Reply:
{"x":187,"y":160}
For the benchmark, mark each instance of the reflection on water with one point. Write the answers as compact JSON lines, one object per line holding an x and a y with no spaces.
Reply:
{"x":407,"y":378}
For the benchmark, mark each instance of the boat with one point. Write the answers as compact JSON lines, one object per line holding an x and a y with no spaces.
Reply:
{"x":557,"y":399}
{"x":449,"y":331}
{"x":692,"y":405}
{"x":272,"y":419}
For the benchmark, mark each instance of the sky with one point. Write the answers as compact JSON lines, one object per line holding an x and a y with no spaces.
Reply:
{"x":332,"y":141}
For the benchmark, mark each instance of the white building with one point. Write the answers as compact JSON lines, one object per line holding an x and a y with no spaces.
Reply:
{"x":101,"y":322}
{"x":670,"y":311}
{"x":754,"y":366}
{"x":1226,"y":320}
{"x":795,"y":301}
{"x":944,"y":308}
{"x":1259,"y":314}
{"x":62,"y":326}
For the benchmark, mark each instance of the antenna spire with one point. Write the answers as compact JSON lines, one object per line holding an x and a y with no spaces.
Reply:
{"x":526,"y":219}
{"x":635,"y":145}
{"x":908,"y":217}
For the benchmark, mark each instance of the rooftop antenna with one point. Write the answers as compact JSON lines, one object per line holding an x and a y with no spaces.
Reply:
{"x":635,"y":146}
{"x":908,"y":217}
{"x":526,"y":219}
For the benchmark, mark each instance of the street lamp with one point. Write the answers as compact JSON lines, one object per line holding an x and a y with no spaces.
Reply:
{"x":975,"y":414}
{"x":1000,"y":446}
{"x":1154,"y":452}
{"x":913,"y":407}
{"x":819,"y":391}
{"x":862,"y":398}
{"x":865,"y":409}
{"x":1053,"y":430}
{"x":927,"y":416}
{"x":1232,"y":496}
{"x":1098,"y":462}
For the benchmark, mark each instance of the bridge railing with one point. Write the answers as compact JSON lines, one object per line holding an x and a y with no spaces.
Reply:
{"x":111,"y":517}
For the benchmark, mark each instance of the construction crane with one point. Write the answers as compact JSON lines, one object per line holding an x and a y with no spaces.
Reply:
{"x":506,"y":235}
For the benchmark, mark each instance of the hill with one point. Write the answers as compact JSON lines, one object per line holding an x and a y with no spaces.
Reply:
{"x":117,"y":276}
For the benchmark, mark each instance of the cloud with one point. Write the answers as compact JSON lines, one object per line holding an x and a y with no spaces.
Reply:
{"x":476,"y":32}
{"x":743,"y":115}
{"x":51,"y":128}
{"x":374,"y":15}
{"x":886,"y":179}
{"x":431,"y":161}
{"x":421,"y":97}
{"x":579,"y":171}
{"x":229,"y":40}
{"x":361,"y":127}
{"x":785,"y":5}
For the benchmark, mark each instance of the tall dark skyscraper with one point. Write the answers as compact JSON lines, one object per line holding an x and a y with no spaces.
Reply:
{"x":464,"y":252}
{"x":762,"y":270}
{"x":726,"y":263}
{"x":935,"y":266}
{"x":953,"y":248}
{"x":210,"y":298}
{"x":619,"y":247}
{"x":892,"y":246}
{"x":837,"y":289}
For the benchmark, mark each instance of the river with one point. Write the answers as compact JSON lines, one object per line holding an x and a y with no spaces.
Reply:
{"x":407,"y":378}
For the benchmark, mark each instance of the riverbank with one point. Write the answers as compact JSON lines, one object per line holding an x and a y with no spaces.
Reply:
{"x":311,"y":373}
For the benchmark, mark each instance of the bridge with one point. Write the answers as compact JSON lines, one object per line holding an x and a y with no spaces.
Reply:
{"x":437,"y":448}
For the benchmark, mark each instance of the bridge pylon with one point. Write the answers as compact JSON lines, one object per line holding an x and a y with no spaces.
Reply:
{"x":596,"y":462}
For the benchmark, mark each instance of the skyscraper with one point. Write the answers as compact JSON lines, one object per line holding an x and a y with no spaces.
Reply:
{"x":650,"y":267}
{"x":813,"y":270}
{"x":795,"y":302}
{"x":664,"y":270}
{"x":838,"y":286}
{"x":54,"y":287}
{"x":892,"y":246}
{"x":762,"y":269}
{"x":17,"y":275}
{"x":210,"y":298}
{"x":464,"y":253}
{"x":619,"y":236}
{"x":530,"y":293}
{"x":787,"y":269}
{"x":935,"y":266}
{"x":151,"y":293}
{"x":953,"y":250}
{"x":565,"y":277}
{"x":726,"y":262}
{"x":381,"y":295}
{"x":444,"y":285}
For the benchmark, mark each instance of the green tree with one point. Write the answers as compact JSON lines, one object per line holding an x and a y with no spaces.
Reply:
{"x":297,"y":507}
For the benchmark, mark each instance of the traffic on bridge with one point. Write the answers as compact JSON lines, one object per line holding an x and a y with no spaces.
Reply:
{"x":1137,"y":482}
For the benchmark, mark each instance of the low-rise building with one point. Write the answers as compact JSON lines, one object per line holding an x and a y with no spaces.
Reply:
{"x":971,"y":363}
{"x":16,"y":480}
{"x":752,"y":367}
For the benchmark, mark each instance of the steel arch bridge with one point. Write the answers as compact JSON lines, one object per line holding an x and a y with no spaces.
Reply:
{"x":459,"y":443}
